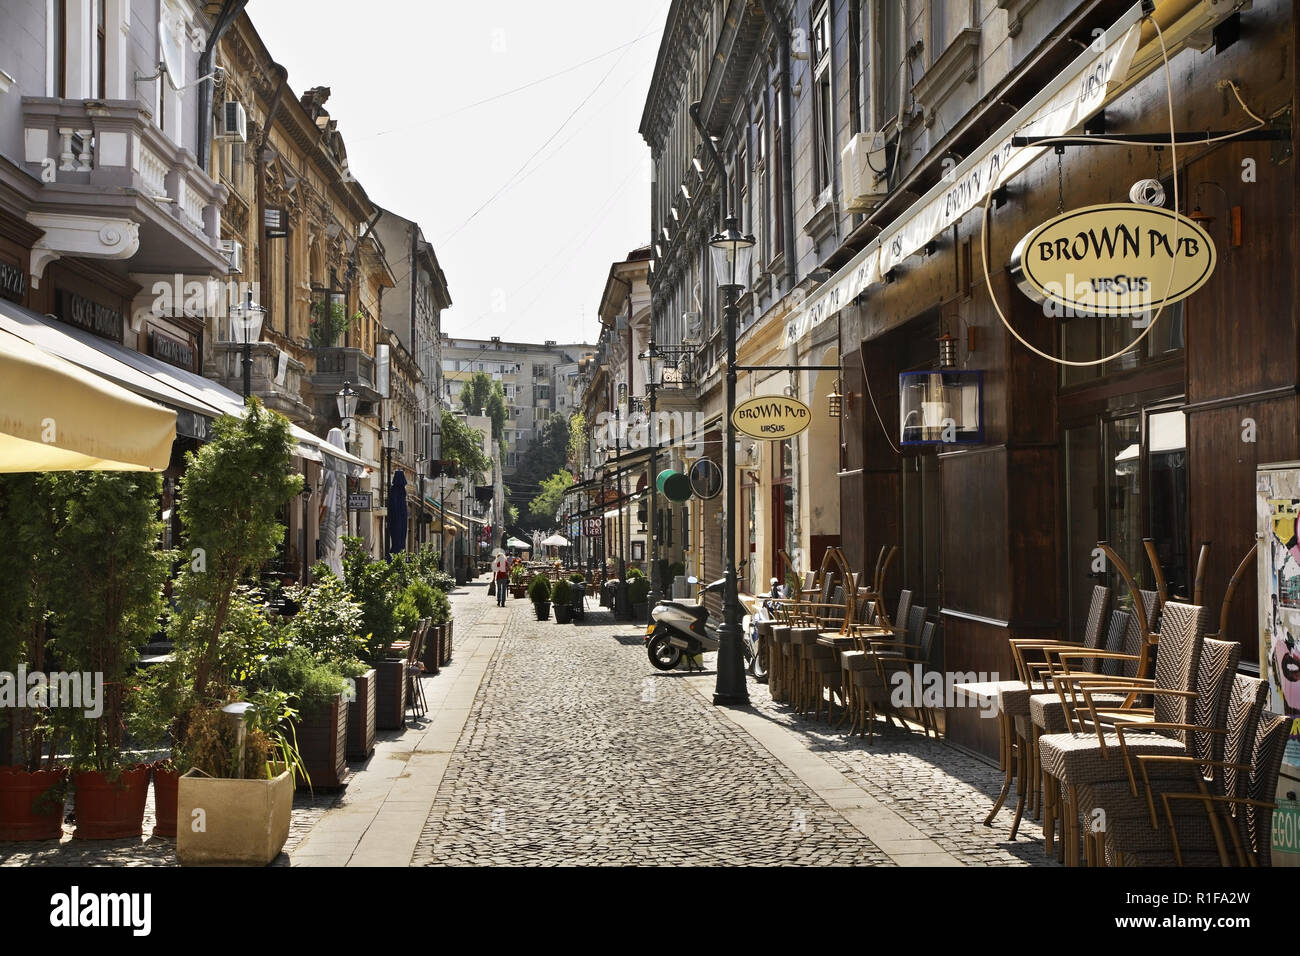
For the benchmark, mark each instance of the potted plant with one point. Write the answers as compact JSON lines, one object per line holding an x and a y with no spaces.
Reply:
{"x":539,"y":592}
{"x":562,"y":595}
{"x":32,"y":786}
{"x":383,"y":621}
{"x":638,"y":590}
{"x":315,"y":690}
{"x":231,"y":495}
{"x":518,"y":580}
{"x":328,"y":623}
{"x":235,"y":802}
{"x":579,"y":583}
{"x":109,"y":580}
{"x":328,"y":321}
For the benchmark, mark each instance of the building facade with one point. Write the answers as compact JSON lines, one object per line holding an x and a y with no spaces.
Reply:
{"x":160,"y":182}
{"x":529,"y":374}
{"x":867,"y":147}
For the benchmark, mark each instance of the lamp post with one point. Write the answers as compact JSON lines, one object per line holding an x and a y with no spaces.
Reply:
{"x":651,"y":362}
{"x":733,"y":252}
{"x":347,"y":398}
{"x":390,"y":442}
{"x":622,"y":610}
{"x":246,"y":324}
{"x":421,"y":467}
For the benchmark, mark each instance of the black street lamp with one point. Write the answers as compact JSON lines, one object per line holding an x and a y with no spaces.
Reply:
{"x":651,"y":363}
{"x":421,"y":468}
{"x":733,"y":252}
{"x":390,"y":442}
{"x":347,"y":398}
{"x":246,"y":324}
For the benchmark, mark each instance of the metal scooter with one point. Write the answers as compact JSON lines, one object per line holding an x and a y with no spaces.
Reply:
{"x":680,"y":628}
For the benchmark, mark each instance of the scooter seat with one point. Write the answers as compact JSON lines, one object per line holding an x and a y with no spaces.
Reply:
{"x":690,"y":607}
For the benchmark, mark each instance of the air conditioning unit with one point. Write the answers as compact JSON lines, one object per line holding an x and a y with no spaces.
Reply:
{"x":862,"y":164}
{"x":234,"y":250}
{"x":235,"y":121}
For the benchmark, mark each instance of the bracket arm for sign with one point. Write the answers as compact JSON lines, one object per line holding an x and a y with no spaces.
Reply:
{"x":789,"y":368}
{"x":1152,"y":139}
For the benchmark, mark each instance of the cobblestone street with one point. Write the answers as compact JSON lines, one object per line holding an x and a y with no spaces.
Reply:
{"x":553,"y":744}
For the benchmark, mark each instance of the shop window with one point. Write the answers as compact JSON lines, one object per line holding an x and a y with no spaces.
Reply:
{"x":1126,"y":480}
{"x":1084,"y":338}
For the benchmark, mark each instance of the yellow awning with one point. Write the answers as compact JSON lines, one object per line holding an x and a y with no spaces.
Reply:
{"x":55,"y":416}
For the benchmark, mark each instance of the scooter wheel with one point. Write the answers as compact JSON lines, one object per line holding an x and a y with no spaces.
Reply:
{"x":758,"y":664}
{"x":663,"y":655}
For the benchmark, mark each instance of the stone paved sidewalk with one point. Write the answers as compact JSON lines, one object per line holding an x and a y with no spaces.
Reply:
{"x":577,"y":752}
{"x":551,"y":744}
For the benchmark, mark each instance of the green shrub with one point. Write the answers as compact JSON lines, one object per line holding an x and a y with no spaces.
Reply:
{"x":406,"y":616}
{"x":441,"y":607}
{"x":518,"y":574}
{"x":563,"y":592}
{"x":638,"y":589}
{"x":308,"y":681}
{"x":578,"y":578}
{"x":422,"y":596}
{"x":539,"y":589}
{"x":328,"y":622}
{"x":635,"y":573}
{"x":370,"y":583}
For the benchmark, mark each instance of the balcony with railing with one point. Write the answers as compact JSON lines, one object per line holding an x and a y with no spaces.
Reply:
{"x":110,"y":164}
{"x":336,"y":365}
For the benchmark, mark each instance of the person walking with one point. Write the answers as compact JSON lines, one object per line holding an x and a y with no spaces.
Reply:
{"x":501,"y":575}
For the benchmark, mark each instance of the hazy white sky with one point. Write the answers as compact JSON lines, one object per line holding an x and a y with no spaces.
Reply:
{"x":531,"y":263}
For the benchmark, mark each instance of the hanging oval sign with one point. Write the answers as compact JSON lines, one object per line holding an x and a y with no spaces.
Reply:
{"x":706,"y":479}
{"x":771,"y":417}
{"x":1114,"y":259}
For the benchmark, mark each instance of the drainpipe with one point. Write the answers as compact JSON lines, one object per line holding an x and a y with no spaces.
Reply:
{"x":782,"y":29}
{"x":229,"y":11}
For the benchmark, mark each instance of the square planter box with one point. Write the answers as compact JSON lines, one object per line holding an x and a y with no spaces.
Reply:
{"x":241,"y":823}
{"x":433,"y":648}
{"x":390,"y":695}
{"x":445,"y":644}
{"x":322,"y":738}
{"x":361,"y":718}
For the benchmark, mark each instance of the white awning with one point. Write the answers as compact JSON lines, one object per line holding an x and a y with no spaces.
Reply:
{"x":1071,"y":98}
{"x":150,"y":377}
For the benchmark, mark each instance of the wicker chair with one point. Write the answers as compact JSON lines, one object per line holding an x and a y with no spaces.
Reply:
{"x":1083,"y":756}
{"x":1190,"y":813}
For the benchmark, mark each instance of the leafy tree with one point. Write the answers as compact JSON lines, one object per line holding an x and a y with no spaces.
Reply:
{"x":464,"y":444}
{"x":483,"y":395}
{"x":546,"y":456}
{"x":108,"y":595}
{"x":577,"y":441}
{"x":31,"y":516}
{"x":474,"y":394}
{"x":230,"y":502}
{"x":495,"y":409}
{"x":546,"y":504}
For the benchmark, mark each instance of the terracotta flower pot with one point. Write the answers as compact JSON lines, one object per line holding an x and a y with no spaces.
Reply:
{"x":111,"y":809}
{"x":164,"y":800}
{"x":25,"y":812}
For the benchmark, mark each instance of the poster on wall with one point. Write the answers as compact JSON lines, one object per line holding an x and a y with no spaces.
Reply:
{"x":1277,"y":509}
